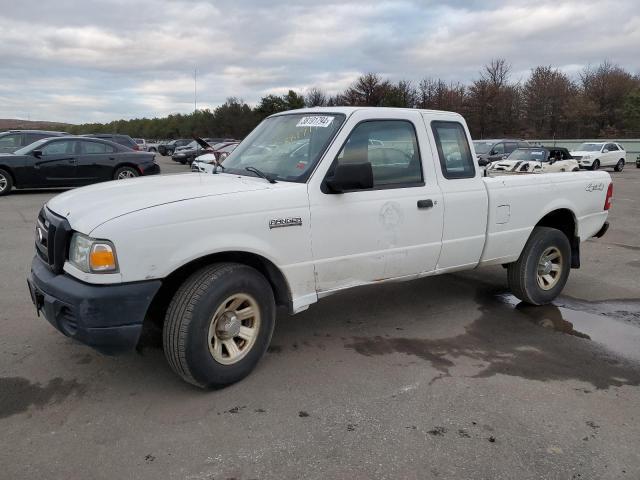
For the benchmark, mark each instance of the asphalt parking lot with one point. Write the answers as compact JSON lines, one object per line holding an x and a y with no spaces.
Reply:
{"x":444,"y":377}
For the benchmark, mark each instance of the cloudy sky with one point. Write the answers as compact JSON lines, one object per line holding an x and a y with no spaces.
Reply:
{"x":89,"y":60}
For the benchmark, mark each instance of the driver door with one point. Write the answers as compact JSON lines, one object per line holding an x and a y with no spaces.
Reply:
{"x":389,"y":231}
{"x":57,"y":164}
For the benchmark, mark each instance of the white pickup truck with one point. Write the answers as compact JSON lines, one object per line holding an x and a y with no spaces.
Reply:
{"x":312,"y":202}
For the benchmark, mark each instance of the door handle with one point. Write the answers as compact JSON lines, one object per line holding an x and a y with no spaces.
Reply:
{"x":425,"y":203}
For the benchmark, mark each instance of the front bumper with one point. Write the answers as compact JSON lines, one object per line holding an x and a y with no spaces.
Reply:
{"x":150,"y":169}
{"x":108,"y":318}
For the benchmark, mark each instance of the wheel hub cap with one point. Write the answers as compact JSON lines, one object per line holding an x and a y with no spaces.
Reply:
{"x":234,"y":328}
{"x":228,"y":326}
{"x":545,"y":268}
{"x":550,"y":268}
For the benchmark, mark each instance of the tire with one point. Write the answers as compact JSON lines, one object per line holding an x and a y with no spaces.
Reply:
{"x":576,"y":169}
{"x":153,"y":150}
{"x":595,"y":165}
{"x":619,"y":166}
{"x":183,"y":161}
{"x":191,"y":329}
{"x":525,"y":277}
{"x":123,"y":173}
{"x":6,"y":182}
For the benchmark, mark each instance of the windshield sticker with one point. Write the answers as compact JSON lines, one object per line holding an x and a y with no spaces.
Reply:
{"x":315,"y":121}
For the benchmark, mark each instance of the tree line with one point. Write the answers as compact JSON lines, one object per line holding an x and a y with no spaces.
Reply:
{"x":603,"y":101}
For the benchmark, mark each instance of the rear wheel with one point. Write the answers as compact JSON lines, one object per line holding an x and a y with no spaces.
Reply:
{"x":219,"y":325}
{"x":125,"y":172}
{"x":542,"y":270}
{"x":619,"y":166}
{"x":6,"y":182}
{"x":595,"y":165}
{"x":576,"y":169}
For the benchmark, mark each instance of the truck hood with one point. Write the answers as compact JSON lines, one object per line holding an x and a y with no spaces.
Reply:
{"x":88,"y":207}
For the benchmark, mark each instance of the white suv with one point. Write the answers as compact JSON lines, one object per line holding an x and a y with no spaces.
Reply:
{"x":593,"y":155}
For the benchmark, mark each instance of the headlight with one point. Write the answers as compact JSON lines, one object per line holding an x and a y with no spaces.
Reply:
{"x":91,"y":255}
{"x":586,"y":157}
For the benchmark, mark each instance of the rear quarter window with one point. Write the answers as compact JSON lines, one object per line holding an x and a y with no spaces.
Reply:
{"x":454,"y":153}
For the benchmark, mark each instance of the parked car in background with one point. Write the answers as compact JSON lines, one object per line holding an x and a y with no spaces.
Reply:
{"x":638,"y":161}
{"x":488,"y":151}
{"x":152,"y":146}
{"x":170,"y":147}
{"x":15,"y":139}
{"x":71,"y":161}
{"x":197,"y":147}
{"x":124,"y":140}
{"x":206,"y":163}
{"x":142,"y":144}
{"x":536,"y":160}
{"x":593,"y":155}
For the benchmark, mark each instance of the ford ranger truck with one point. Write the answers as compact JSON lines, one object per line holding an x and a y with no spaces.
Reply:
{"x":312,"y":202}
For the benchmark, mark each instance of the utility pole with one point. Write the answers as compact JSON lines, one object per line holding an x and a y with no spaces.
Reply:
{"x":195,"y":90}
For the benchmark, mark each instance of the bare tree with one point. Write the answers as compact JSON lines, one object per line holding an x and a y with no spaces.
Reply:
{"x":496,"y":73}
{"x":315,"y":97}
{"x":546,"y":96}
{"x":607,"y":86}
{"x":368,"y":90}
{"x":402,"y":94}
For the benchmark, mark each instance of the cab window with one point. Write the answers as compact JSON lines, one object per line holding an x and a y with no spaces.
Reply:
{"x":456,"y":160}
{"x":391,"y":146}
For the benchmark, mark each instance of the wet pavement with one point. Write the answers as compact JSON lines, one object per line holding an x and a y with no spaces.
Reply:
{"x":443,"y":377}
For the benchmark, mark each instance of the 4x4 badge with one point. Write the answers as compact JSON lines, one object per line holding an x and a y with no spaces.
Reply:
{"x":285,"y":222}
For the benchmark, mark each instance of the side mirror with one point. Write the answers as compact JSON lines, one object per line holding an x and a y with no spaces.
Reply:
{"x":351,"y":176}
{"x":606,"y":150}
{"x":483,"y":162}
{"x":36,"y":153}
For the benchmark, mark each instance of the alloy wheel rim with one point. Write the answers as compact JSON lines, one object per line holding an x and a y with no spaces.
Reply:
{"x":234,"y":328}
{"x":549,"y":268}
{"x":3,"y":183}
{"x":125,"y":174}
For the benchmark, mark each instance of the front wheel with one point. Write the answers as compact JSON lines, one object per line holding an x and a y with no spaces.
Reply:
{"x":219,"y":325}
{"x":6,"y":182}
{"x":619,"y":166}
{"x":595,"y":165}
{"x":125,"y":172}
{"x":542,"y":270}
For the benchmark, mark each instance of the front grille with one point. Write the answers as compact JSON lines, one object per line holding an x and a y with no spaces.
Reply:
{"x":577,"y":158}
{"x":52,"y":239}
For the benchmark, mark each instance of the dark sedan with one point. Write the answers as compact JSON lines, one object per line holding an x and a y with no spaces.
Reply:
{"x":71,"y":162}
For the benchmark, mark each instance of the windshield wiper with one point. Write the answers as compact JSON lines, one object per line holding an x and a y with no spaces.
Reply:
{"x":261,"y":174}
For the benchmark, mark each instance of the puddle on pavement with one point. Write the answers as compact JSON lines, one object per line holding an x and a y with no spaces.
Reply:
{"x":615,"y":335}
{"x":512,"y":338}
{"x":17,"y":394}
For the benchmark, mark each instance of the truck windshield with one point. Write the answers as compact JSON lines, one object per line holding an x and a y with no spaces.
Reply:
{"x":537,"y":155}
{"x":590,"y":147}
{"x":285,"y":147}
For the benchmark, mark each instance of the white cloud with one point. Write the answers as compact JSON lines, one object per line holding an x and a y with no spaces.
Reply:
{"x":88,"y":60}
